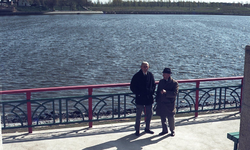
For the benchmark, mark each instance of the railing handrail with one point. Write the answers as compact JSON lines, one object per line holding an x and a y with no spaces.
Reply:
{"x":210,"y":79}
{"x":109,"y":85}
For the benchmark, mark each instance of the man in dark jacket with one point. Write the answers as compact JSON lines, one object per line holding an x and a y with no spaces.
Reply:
{"x":143,"y":86}
{"x":165,"y":97}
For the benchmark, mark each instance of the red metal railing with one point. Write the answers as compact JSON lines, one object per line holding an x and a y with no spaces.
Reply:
{"x":91,"y":87}
{"x":197,"y":81}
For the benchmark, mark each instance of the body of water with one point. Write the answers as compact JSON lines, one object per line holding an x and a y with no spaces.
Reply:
{"x":68,"y":50}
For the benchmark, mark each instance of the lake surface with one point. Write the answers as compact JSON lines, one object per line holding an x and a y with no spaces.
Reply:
{"x":68,"y":50}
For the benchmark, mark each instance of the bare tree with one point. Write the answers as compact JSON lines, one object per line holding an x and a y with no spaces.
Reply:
{"x":51,"y":4}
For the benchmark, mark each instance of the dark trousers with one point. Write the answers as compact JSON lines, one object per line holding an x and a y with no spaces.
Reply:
{"x":171,"y":123}
{"x":148,"y":115}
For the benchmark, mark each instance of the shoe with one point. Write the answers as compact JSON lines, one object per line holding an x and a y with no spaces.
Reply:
{"x":162,"y":133}
{"x":172,"y":134}
{"x":148,"y":131}
{"x":137,"y":133}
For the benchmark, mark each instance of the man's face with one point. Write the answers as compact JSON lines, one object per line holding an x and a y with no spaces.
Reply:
{"x":166,"y":75}
{"x":144,"y":68}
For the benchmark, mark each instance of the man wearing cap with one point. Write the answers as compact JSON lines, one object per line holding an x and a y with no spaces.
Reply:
{"x":165,"y":97}
{"x":143,"y":86}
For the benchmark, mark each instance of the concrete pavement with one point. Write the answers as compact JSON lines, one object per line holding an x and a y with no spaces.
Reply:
{"x":207,"y":132}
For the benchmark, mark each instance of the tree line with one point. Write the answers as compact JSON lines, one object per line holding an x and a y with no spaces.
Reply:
{"x":84,"y":4}
{"x":165,"y":3}
{"x":60,"y":4}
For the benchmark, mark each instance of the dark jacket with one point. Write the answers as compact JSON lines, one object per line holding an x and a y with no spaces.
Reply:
{"x":143,"y":86}
{"x":166,"y":102}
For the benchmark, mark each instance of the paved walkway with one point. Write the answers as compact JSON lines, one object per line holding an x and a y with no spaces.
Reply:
{"x":207,"y":132}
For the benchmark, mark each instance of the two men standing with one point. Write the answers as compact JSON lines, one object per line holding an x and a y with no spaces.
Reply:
{"x":143,"y":86}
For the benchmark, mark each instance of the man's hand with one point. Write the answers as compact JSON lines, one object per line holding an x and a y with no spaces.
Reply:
{"x":163,"y":91}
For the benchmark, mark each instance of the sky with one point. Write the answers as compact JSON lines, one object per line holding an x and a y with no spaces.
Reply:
{"x":223,"y":1}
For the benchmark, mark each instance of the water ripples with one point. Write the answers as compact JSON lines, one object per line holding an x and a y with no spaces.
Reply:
{"x":66,"y":50}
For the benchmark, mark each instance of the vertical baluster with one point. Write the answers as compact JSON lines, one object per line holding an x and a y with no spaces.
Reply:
{"x":177,"y":102}
{"x":90,"y":90}
{"x":113,"y":107}
{"x":28,"y":97}
{"x":67,"y":110}
{"x":60,"y":110}
{"x":241,"y":93}
{"x":125,"y":109}
{"x":4,"y":124}
{"x":215,"y":97}
{"x":225,"y":98}
{"x":119,"y":106}
{"x":53,"y":107}
{"x":220,"y":98}
{"x":197,"y":98}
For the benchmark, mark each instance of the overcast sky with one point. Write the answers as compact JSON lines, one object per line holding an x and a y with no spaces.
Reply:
{"x":224,"y":1}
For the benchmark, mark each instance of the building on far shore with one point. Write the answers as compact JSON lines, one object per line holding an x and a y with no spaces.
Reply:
{"x":18,"y":2}
{"x":23,"y":3}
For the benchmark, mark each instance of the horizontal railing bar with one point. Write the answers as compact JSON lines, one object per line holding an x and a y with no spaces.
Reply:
{"x":210,"y":87}
{"x":108,"y":85}
{"x":210,"y":79}
{"x":100,"y":95}
{"x":63,"y":88}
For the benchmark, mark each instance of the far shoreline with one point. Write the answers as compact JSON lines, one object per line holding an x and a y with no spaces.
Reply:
{"x":116,"y":12}
{"x":49,"y":13}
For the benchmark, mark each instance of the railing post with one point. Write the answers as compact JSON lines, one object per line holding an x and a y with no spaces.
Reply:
{"x":197,"y":98}
{"x":90,"y":90}
{"x":28,"y":97}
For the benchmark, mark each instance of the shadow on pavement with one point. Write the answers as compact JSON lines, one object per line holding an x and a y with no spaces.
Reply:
{"x":114,"y":128}
{"x":128,"y":142}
